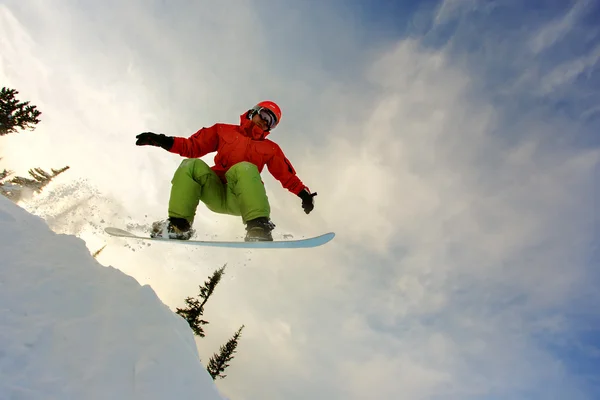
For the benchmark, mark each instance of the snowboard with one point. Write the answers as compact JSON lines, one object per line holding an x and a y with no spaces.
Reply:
{"x":276,"y":244}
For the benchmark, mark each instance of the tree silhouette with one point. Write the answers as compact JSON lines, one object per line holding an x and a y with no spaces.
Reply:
{"x":219,"y":362}
{"x":16,"y":114}
{"x":97,"y":252}
{"x":195,"y":307}
{"x":5,"y":174}
{"x":14,"y":189}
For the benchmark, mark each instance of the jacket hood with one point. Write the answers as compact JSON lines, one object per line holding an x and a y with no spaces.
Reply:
{"x":250,"y":129}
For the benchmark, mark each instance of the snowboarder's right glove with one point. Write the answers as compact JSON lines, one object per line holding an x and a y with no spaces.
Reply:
{"x":308,"y":201}
{"x":152,"y":139}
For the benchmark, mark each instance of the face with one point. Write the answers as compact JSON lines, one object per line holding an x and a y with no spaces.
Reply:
{"x":262,"y":124}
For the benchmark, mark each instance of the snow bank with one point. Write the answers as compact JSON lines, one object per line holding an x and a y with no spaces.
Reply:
{"x":71,"y":328}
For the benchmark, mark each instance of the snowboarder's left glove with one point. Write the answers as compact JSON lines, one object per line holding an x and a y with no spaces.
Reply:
{"x":308,"y":201}
{"x":153,"y":139}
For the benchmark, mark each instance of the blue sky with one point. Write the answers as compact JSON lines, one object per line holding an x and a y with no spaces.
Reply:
{"x":454,"y":146}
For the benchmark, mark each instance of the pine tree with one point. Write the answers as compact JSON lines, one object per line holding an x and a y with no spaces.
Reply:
{"x":195,"y":307}
{"x":13,"y":189}
{"x":219,"y":362}
{"x":15,"y":114}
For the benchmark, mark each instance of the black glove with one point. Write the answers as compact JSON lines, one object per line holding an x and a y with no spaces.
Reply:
{"x":308,"y":201}
{"x":153,"y":139}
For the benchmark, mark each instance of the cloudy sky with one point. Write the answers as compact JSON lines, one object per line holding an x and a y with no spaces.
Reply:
{"x":454,"y":146}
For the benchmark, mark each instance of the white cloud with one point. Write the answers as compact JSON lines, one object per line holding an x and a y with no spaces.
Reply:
{"x":452,"y":9}
{"x":567,"y":72}
{"x":557,"y":29}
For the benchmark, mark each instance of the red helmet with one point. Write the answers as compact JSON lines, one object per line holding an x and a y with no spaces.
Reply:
{"x":270,"y":108}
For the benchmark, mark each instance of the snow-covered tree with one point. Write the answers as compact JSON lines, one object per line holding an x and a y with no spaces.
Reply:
{"x":219,"y":362}
{"x":16,"y":114}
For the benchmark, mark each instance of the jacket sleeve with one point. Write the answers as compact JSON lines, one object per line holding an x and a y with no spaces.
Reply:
{"x":281,"y":168}
{"x":205,"y":141}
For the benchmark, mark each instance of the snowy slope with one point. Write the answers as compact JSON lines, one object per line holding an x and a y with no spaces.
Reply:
{"x":71,"y":328}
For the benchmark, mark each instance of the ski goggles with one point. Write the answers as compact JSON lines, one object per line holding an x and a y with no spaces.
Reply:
{"x":268,"y":116}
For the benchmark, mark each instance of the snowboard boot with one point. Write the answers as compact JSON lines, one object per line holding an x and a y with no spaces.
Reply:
{"x":172,"y":228}
{"x":259,"y":230}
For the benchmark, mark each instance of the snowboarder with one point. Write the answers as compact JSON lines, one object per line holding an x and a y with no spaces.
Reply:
{"x":233,"y":185}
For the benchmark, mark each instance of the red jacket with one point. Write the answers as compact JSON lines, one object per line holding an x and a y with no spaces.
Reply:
{"x":237,"y":143}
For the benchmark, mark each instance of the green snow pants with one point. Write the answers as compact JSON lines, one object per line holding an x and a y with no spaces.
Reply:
{"x":243,"y":195}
